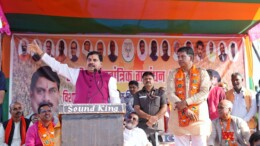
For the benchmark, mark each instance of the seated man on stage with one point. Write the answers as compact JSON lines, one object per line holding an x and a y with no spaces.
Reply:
{"x":134,"y":135}
{"x":13,"y":131}
{"x":227,"y":129}
{"x":92,"y":85}
{"x":43,"y":131}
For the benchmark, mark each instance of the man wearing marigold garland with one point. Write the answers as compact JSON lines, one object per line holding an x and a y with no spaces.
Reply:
{"x":13,"y":131}
{"x":187,"y":88}
{"x":227,"y":129}
{"x":41,"y":133}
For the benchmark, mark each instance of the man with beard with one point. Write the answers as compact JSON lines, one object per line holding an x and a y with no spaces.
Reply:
{"x":134,"y":136}
{"x":61,"y":57}
{"x":227,"y":129}
{"x":43,"y":131}
{"x":24,"y":55}
{"x":112,"y":56}
{"x":187,"y":88}
{"x":92,"y":85}
{"x":153,"y":54}
{"x":150,"y":105}
{"x":13,"y":131}
{"x":243,"y":100}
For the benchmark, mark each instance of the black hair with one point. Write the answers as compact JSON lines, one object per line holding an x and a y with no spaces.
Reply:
{"x":147,"y":73}
{"x":44,"y":103}
{"x":48,"y":41}
{"x":46,"y":72}
{"x":214,"y":73}
{"x":254,"y":137}
{"x":199,"y":43}
{"x":188,"y":50}
{"x":133,"y":82}
{"x":74,"y":42}
{"x":86,"y":42}
{"x":236,"y":74}
{"x":96,"y":53}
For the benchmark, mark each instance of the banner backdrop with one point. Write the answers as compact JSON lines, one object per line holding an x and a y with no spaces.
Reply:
{"x":126,"y":57}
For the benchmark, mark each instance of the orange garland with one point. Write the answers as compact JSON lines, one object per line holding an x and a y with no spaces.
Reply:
{"x":46,"y":134}
{"x":227,"y":135}
{"x":180,"y":91}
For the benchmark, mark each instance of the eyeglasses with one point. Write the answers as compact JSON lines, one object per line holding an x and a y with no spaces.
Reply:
{"x":45,"y":111}
{"x":132,"y":118}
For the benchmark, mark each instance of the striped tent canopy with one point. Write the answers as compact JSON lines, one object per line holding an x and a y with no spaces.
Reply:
{"x":132,"y":16}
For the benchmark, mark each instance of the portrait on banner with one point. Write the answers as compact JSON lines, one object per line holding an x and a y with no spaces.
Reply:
{"x":154,"y":53}
{"x":199,"y":51}
{"x":128,"y":50}
{"x":233,"y":51}
{"x":211,"y":51}
{"x":165,"y":51}
{"x":87,"y":47}
{"x":100,"y":47}
{"x":74,"y":51}
{"x":24,"y":53}
{"x":142,"y":49}
{"x":61,"y":51}
{"x":188,"y":43}
{"x":176,"y":46}
{"x":112,"y":51}
{"x":49,"y":47}
{"x":222,"y":51}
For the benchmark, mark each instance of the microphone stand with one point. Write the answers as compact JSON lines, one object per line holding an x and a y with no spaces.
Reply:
{"x":99,"y":72}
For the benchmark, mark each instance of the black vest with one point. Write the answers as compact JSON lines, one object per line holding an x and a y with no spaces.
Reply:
{"x":27,"y":121}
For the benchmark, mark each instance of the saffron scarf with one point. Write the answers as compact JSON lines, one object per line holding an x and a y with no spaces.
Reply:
{"x":9,"y":129}
{"x":180,"y":91}
{"x":46,"y":134}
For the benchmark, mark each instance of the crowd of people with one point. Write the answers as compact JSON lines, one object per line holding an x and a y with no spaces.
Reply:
{"x":202,"y":110}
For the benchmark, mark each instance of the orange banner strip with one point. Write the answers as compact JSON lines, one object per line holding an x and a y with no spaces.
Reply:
{"x":136,"y":9}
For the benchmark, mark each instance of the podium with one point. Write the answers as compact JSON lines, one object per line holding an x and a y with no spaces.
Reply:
{"x":92,"y":124}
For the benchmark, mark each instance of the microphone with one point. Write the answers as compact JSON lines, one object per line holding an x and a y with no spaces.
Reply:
{"x":99,"y":89}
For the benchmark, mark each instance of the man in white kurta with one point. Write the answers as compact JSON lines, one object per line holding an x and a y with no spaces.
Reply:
{"x":199,"y":126}
{"x":134,"y":136}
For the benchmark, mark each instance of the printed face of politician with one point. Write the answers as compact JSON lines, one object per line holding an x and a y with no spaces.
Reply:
{"x":45,"y":90}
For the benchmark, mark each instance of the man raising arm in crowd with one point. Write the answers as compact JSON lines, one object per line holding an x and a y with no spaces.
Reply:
{"x":92,"y":85}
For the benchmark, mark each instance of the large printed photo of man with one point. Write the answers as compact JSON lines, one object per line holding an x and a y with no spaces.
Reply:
{"x":45,"y":85}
